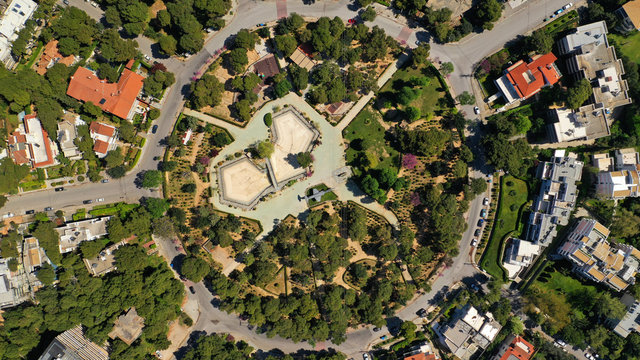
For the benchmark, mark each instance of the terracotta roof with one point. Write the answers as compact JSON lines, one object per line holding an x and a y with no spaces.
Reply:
{"x":20,"y":157}
{"x":51,"y":54}
{"x":632,"y":8}
{"x":421,"y":356}
{"x":520,"y":349}
{"x":618,"y":283}
{"x":100,"y":147}
{"x":529,"y":78}
{"x":102,"y":129}
{"x":129,"y":64}
{"x":115,"y":98}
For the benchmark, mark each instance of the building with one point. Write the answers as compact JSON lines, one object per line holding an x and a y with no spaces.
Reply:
{"x":119,"y":99}
{"x":518,"y":255}
{"x":104,"y":138}
{"x":557,"y":197}
{"x":589,"y":56}
{"x":51,"y":56}
{"x":618,"y":184}
{"x":105,"y":262}
{"x":524,"y":79}
{"x":631,"y":320}
{"x":589,"y":122}
{"x":30,"y":144}
{"x":626,"y":158}
{"x":73,"y":345}
{"x":596,"y":259}
{"x":602,"y":162}
{"x":7,"y":292}
{"x":128,"y":327}
{"x":12,"y":21}
{"x":468,"y":332}
{"x":73,"y":233}
{"x":629,"y":15}
{"x":420,"y":352}
{"x":301,"y":57}
{"x":67,"y":133}
{"x":33,"y":255}
{"x":515,"y":348}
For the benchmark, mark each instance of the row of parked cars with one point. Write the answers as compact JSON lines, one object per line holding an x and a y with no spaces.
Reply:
{"x":483,"y":216}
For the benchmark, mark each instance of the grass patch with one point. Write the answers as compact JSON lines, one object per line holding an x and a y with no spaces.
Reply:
{"x":629,"y":45}
{"x":366,"y":126}
{"x":564,"y":22}
{"x":79,"y":215}
{"x":329,"y":196}
{"x":122,"y":209}
{"x":513,"y":194}
{"x":32,"y":185}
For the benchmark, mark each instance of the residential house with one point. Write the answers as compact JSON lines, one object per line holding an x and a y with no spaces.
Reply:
{"x":515,"y":348}
{"x":420,"y":352}
{"x":73,"y":345}
{"x":73,"y":233}
{"x":589,"y":56}
{"x":629,"y":15}
{"x":105,"y":262}
{"x":525,"y":79}
{"x":120,"y":99}
{"x":128,"y":327}
{"x":30,"y":144}
{"x":51,"y":56}
{"x":33,"y":255}
{"x":7,"y":292}
{"x":631,"y":320}
{"x":104,"y":138}
{"x":468,"y":332}
{"x":518,"y":255}
{"x":593,"y":257}
{"x":602,"y":162}
{"x":301,"y":57}
{"x":12,"y":21}
{"x":626,"y":158}
{"x":67,"y":133}
{"x":625,"y":180}
{"x":557,"y":197}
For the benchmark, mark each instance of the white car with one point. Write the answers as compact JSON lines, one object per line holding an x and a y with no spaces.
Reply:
{"x":474,"y":242}
{"x":476,"y":110}
{"x":365,"y":356}
{"x":567,"y":6}
{"x":485,"y":202}
{"x":100,"y":200}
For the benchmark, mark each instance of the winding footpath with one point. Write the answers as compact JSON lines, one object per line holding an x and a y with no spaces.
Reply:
{"x":464,"y":55}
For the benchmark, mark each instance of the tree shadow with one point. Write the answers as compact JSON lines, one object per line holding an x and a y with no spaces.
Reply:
{"x":191,"y":342}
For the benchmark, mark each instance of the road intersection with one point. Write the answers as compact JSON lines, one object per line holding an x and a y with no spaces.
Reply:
{"x":464,"y":55}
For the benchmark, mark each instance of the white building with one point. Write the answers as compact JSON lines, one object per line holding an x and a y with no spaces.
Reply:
{"x":13,"y":20}
{"x":518,"y":255}
{"x":73,"y":233}
{"x":468,"y":332}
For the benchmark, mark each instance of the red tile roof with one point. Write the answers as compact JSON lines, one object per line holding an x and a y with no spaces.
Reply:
{"x":115,"y":98}
{"x":529,"y":78}
{"x":100,"y":146}
{"x":421,"y":356}
{"x":20,"y":157}
{"x":520,"y":348}
{"x":50,"y":54}
{"x":129,"y":64}
{"x":102,"y":129}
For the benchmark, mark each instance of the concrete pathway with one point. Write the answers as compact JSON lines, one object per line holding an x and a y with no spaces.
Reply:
{"x":329,"y":156}
{"x":232,"y":129}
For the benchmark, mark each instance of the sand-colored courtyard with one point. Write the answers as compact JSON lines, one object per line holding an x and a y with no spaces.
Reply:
{"x":242,"y":182}
{"x":292,"y":134}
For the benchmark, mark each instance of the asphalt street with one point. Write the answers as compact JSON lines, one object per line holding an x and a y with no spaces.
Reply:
{"x":464,"y":55}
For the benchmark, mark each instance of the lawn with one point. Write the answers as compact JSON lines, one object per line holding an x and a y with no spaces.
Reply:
{"x":513,"y":194}
{"x":329,"y":196}
{"x":32,"y":185}
{"x":366,"y":126}
{"x":427,"y":102}
{"x":564,"y":22}
{"x":627,"y":45}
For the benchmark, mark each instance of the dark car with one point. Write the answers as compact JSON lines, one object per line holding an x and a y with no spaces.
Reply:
{"x":87,"y":201}
{"x":193,"y":291}
{"x":422,"y":313}
{"x":376,"y":329}
{"x":154,"y":129}
{"x":48,"y":208}
{"x":480,"y":222}
{"x":29,"y":212}
{"x":477,"y":232}
{"x":59,"y":189}
{"x":104,"y":181}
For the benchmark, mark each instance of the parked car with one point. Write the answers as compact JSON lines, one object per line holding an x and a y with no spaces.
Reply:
{"x":476,"y":110}
{"x":154,"y":129}
{"x":193,"y":291}
{"x":59,"y":189}
{"x":477,"y":232}
{"x":365,"y":356}
{"x":422,"y":312}
{"x":104,"y":181}
{"x":485,"y":202}
{"x":48,"y":208}
{"x":483,"y":213}
{"x":567,"y":6}
{"x":475,"y":287}
{"x":351,"y":21}
{"x":87,"y":202}
{"x":66,"y":2}
{"x":480,"y":222}
{"x":558,"y":12}
{"x":100,"y":200}
{"x":418,"y":42}
{"x":383,"y":337}
{"x":561,"y":342}
{"x":376,"y":329}
{"x":261,"y":24}
{"x":29,"y":212}
{"x":474,"y":242}
{"x":8,"y":215}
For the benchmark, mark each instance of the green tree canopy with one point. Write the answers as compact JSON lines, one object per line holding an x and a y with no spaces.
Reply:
{"x":194,"y":268}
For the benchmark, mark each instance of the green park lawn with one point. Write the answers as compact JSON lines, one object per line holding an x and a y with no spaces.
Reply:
{"x":366,"y":126}
{"x":511,"y":200}
{"x":427,"y":102}
{"x":629,"y":46}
